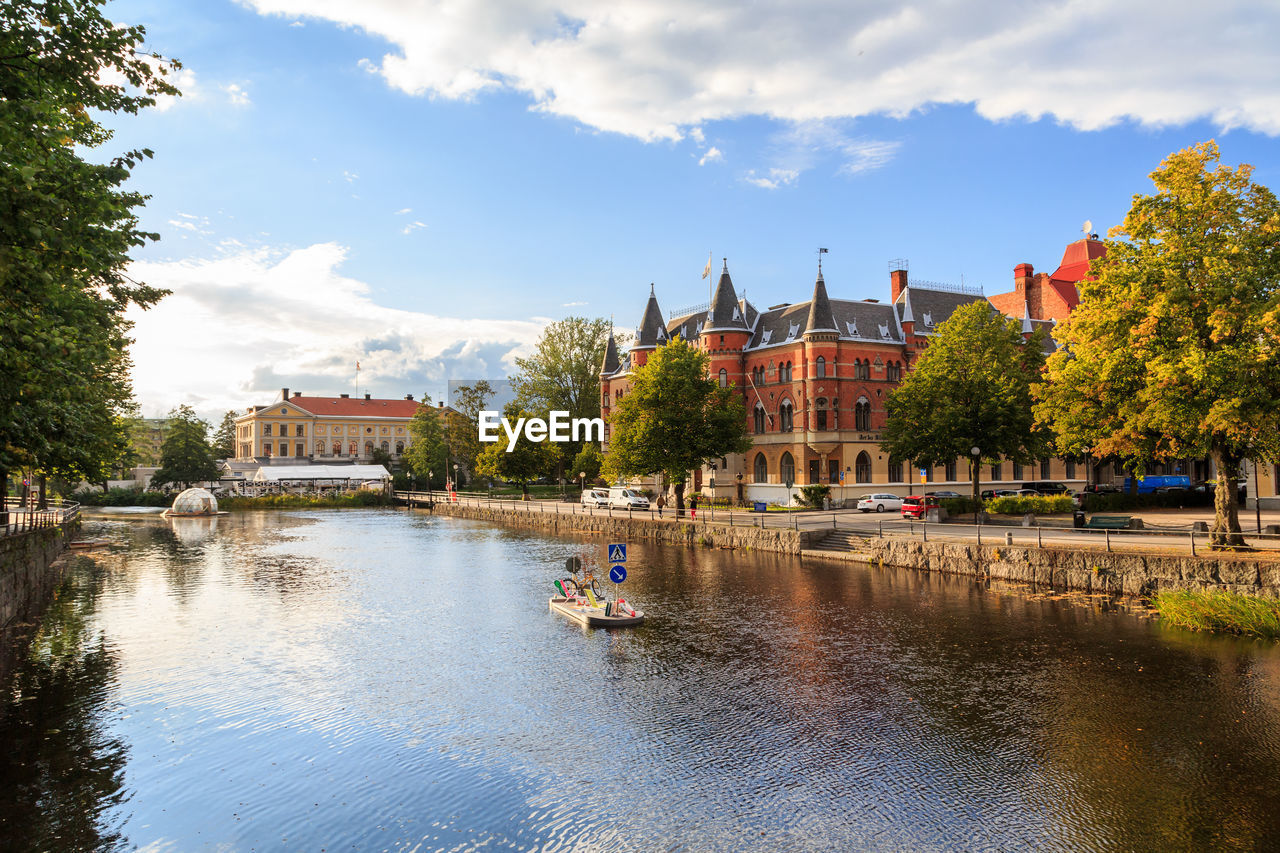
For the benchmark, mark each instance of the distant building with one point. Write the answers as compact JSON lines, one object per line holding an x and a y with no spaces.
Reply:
{"x":302,"y":429}
{"x":146,"y":438}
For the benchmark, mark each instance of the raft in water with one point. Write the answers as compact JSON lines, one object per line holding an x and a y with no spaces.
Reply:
{"x":593,"y":617}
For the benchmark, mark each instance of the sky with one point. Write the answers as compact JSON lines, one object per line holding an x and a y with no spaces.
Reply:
{"x":421,"y":186}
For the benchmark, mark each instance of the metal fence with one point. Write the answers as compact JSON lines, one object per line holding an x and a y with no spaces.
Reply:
{"x":1157,"y":539}
{"x":22,"y":518}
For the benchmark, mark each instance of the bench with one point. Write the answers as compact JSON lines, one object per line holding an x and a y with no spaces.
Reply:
{"x":1109,"y":522}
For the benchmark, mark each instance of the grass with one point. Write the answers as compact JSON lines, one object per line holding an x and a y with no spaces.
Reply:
{"x":1222,"y":612}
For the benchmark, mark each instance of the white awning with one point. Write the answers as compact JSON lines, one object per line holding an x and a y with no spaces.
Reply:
{"x":340,"y":473}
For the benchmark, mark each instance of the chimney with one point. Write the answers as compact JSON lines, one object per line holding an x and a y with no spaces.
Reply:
{"x":409,"y":397}
{"x":366,"y":395}
{"x":297,"y":393}
{"x":897,"y":283}
{"x":442,"y":404}
{"x":284,"y":393}
{"x":1022,"y":274}
{"x":344,"y":396}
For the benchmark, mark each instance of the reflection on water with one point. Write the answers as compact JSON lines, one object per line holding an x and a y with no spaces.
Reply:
{"x":378,"y":680}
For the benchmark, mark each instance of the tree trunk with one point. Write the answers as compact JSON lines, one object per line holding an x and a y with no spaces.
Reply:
{"x":975,"y":468}
{"x":679,"y":487}
{"x":43,"y":500}
{"x":4,"y":496}
{"x":1133,"y":481}
{"x":1226,"y":509}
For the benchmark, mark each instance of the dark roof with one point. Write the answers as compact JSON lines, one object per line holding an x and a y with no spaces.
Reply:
{"x":725,"y":311}
{"x":652,"y":331}
{"x":930,"y":307}
{"x":868,"y":321}
{"x":820,"y":317}
{"x":611,"y":363}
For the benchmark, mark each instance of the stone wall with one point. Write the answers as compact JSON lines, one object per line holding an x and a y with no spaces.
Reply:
{"x":29,"y":573}
{"x":622,"y":529}
{"x":1087,"y":571}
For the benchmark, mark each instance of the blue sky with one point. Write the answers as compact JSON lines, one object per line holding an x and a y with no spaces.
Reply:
{"x":421,"y":186}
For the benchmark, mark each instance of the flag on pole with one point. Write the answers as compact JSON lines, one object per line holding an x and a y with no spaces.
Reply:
{"x":706,"y":271}
{"x":357,"y":365}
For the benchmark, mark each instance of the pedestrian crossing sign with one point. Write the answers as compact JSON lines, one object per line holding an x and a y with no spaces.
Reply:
{"x":617,"y":553}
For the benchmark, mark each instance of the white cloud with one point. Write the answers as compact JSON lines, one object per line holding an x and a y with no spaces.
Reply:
{"x":402,"y":211}
{"x":413,"y":226}
{"x":240,"y":326}
{"x":712,"y":155}
{"x":236,"y":95}
{"x":658,"y":69}
{"x":777,"y":178}
{"x":802,"y":145}
{"x":191,"y":222}
{"x":571,"y":304}
{"x":183,"y":78}
{"x":349,"y":177}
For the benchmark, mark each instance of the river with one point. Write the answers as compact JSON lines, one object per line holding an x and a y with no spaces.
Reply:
{"x":380,"y":680}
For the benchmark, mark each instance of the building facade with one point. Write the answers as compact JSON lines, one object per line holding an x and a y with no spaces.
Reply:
{"x":299,"y":428}
{"x":814,"y":378}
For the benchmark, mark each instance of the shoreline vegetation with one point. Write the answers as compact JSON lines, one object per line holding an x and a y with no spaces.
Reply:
{"x":133,"y":497}
{"x":1221,"y":612}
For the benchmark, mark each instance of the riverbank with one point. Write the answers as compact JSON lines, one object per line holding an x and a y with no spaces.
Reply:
{"x":1086,"y":570}
{"x":30,"y":571}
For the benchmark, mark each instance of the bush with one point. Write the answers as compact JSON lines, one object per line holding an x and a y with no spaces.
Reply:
{"x":814,"y":495}
{"x":342,"y":499}
{"x":1040,"y":505}
{"x":961,"y":506}
{"x":122,"y":497}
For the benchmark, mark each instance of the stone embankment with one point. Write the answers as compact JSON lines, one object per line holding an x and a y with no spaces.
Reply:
{"x":619,"y":528}
{"x":29,"y":573}
{"x":1086,"y":570}
{"x":1126,"y":573}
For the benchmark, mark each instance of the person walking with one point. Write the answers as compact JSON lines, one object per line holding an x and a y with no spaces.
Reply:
{"x":693,"y":507}
{"x":662,"y":502}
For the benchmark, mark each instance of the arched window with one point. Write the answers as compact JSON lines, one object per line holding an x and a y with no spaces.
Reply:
{"x":893,"y":372}
{"x":787,"y":469}
{"x":368,"y":448}
{"x":319,"y":448}
{"x":895,"y":470}
{"x":821,"y":406}
{"x":386,"y":447}
{"x":822,"y":367}
{"x":724,"y":378}
{"x":784,"y":416}
{"x":761,"y":469}
{"x":399,"y":447}
{"x":862,"y":414}
{"x":337,"y":448}
{"x":759,"y":418}
{"x":862,"y":468}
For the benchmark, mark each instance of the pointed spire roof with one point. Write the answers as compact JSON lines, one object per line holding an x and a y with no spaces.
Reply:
{"x":1026,"y":318}
{"x":611,"y":363}
{"x":724,"y":313}
{"x":905,"y":299}
{"x":653,"y":330}
{"x":821,"y":318}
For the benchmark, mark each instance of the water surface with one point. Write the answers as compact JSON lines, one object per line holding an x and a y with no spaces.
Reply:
{"x":370,"y":680}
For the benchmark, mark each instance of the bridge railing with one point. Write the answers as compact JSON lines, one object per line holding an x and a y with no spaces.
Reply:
{"x":20,"y":518}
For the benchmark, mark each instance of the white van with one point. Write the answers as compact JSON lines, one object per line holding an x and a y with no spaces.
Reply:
{"x":622,"y":497}
{"x":595,"y":497}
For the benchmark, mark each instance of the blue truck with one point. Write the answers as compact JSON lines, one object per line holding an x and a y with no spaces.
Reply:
{"x":1149,"y":484}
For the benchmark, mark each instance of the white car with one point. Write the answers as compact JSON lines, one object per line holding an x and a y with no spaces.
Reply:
{"x":623,"y":498}
{"x":879,"y":503}
{"x":595,"y":497}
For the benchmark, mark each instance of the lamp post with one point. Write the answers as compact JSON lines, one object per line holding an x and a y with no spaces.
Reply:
{"x":430,"y":475}
{"x":712,"y":483}
{"x":740,"y":500}
{"x":456,"y":466}
{"x":976,"y":453}
{"x":582,"y":480}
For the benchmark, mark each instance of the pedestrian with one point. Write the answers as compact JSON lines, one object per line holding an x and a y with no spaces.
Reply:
{"x":693,"y":507}
{"x":662,"y":502}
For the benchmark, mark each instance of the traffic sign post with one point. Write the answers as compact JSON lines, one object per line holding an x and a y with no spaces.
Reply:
{"x":618,"y":574}
{"x":618,"y":553}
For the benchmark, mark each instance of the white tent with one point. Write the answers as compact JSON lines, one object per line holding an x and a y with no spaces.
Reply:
{"x":330,"y":474}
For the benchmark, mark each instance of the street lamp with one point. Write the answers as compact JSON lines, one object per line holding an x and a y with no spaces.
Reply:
{"x":430,"y":474}
{"x":582,"y":480}
{"x":712,"y":483}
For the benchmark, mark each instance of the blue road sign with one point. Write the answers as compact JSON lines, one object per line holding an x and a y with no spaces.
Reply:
{"x":617,"y":553}
{"x":618,"y":574}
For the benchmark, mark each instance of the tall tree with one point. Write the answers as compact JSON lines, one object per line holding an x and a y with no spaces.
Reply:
{"x":589,"y":461}
{"x":186,"y":456}
{"x":66,"y":230}
{"x":224,"y":440}
{"x":674,"y":419}
{"x":1174,"y":350}
{"x":428,"y":454}
{"x":462,"y":426}
{"x":971,"y":387}
{"x":526,"y":462}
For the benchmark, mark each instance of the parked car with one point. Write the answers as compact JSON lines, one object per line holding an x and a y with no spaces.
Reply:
{"x":1046,"y":487}
{"x":1102,"y":489}
{"x":622,"y":498}
{"x":943,"y":495}
{"x":988,"y":494}
{"x":915,"y":506}
{"x":1025,"y":493}
{"x":879,"y":502}
{"x":595,"y":497}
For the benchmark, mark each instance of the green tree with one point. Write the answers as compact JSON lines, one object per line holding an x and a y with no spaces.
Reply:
{"x":1174,"y":350}
{"x":674,"y":419}
{"x":224,"y":440}
{"x":589,"y":461}
{"x":66,"y":230}
{"x":971,"y":387}
{"x":524,"y":463}
{"x":428,"y":453}
{"x":462,"y":425}
{"x":186,"y":456}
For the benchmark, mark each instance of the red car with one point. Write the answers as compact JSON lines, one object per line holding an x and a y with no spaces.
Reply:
{"x":915,"y":506}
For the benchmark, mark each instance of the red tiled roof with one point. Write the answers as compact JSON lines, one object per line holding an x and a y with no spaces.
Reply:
{"x":346,"y":407}
{"x":1075,"y":260}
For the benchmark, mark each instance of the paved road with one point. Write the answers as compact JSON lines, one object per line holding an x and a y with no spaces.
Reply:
{"x":1169,"y":530}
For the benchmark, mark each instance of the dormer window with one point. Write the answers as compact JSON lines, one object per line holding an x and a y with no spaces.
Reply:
{"x":853,"y":328}
{"x":928,"y":320}
{"x":736,"y":315}
{"x":884,"y":330}
{"x":764,"y":338}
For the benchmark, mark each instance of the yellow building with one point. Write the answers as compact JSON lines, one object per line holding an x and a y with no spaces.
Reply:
{"x":324,"y":429}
